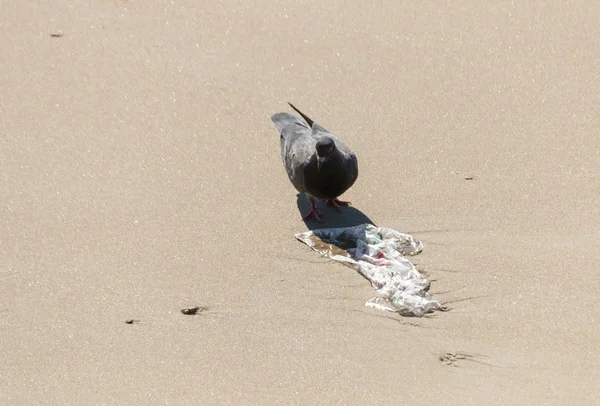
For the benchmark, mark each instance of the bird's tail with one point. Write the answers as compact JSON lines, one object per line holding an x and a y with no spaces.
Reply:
{"x":282,"y":120}
{"x":304,"y":116}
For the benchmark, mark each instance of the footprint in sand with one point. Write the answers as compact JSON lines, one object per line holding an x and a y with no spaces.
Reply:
{"x":453,"y":358}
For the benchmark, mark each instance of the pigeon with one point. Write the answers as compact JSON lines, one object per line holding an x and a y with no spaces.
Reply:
{"x":316,"y":161}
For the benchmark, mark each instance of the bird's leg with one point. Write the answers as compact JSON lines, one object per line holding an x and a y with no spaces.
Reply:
{"x":314,"y":212}
{"x":336,"y":203}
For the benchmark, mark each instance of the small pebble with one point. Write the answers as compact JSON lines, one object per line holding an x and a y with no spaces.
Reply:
{"x":131,"y":321}
{"x":190,"y":310}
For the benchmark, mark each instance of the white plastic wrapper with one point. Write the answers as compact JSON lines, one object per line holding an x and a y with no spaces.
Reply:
{"x":378,"y":254}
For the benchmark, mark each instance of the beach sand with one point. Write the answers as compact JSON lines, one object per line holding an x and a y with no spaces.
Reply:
{"x":141,"y":174}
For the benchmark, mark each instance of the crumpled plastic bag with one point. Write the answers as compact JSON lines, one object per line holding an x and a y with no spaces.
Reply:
{"x":378,"y":254}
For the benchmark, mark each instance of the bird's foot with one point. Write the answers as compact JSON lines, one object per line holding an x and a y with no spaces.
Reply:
{"x":313,"y":213}
{"x":336,"y":203}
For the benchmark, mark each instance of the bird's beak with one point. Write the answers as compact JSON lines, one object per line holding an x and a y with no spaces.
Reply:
{"x":320,"y":161}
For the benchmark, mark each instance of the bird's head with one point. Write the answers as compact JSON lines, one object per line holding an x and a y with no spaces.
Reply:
{"x":325,"y":146}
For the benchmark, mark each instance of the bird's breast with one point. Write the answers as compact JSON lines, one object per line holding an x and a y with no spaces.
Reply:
{"x":328,"y":182}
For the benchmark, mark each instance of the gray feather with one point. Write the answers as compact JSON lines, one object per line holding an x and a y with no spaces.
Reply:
{"x":298,"y":142}
{"x":297,"y":145}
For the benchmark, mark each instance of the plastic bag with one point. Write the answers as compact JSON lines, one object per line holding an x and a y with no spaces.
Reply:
{"x":378,"y":254}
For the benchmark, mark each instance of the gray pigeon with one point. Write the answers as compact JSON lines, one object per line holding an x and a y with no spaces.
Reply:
{"x":317,"y":162}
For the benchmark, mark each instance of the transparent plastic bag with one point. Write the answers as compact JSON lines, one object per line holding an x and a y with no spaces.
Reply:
{"x":379,"y":255}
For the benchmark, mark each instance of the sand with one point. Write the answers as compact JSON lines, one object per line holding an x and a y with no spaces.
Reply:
{"x":141,"y":174}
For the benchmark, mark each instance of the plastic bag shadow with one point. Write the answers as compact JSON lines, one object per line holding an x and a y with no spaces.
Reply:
{"x":347,"y":216}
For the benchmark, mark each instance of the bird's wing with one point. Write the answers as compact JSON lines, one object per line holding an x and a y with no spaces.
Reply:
{"x":297,"y":146}
{"x":351,"y":163}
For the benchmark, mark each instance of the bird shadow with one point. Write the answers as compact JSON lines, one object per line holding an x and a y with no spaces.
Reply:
{"x":347,"y":216}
